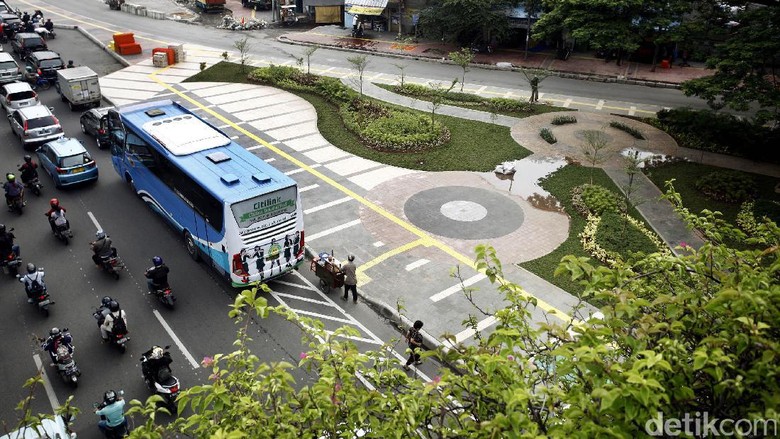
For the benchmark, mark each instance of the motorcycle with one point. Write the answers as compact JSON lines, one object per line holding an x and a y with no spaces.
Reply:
{"x":66,"y":365}
{"x":11,"y":263}
{"x":164,"y":384}
{"x":62,"y":230}
{"x":115,"y":338}
{"x":112,"y":265}
{"x":118,"y":432}
{"x":34,"y":184}
{"x":165,"y":295}
{"x":17,"y":204}
{"x":45,"y":33}
{"x":42,"y":300}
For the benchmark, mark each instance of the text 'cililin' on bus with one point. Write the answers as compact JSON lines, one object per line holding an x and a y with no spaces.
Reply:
{"x":232,"y":208}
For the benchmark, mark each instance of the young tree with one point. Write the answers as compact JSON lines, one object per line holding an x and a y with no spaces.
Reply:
{"x":308,"y":53}
{"x":359,"y":63}
{"x":402,"y":73}
{"x":465,"y":21}
{"x":594,"y":145}
{"x":535,"y":78}
{"x":243,"y":46}
{"x":532,"y":10}
{"x":437,"y":99}
{"x":462,"y":58}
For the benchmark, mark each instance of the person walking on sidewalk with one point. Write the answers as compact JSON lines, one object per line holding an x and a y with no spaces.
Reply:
{"x":414,"y":338}
{"x":350,"y":278}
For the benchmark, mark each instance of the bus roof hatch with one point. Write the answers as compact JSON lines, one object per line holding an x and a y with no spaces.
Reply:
{"x":183,"y":135}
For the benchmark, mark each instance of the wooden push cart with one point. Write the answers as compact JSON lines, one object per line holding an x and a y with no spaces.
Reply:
{"x":328,"y":272}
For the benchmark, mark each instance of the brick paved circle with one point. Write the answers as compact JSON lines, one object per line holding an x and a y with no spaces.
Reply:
{"x":424,"y":210}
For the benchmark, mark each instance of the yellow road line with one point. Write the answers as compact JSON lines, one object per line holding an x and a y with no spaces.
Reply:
{"x":364,"y":278}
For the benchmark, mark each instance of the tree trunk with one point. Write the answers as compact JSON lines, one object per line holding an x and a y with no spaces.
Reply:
{"x":655,"y":56}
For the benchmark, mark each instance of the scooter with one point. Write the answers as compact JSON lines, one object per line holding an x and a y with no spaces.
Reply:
{"x":165,"y":295}
{"x":66,"y":366}
{"x":11,"y":263}
{"x":115,"y":338}
{"x":112,"y":265}
{"x":34,"y":184}
{"x":42,"y":300}
{"x":62,"y":230}
{"x":164,"y":384}
{"x":118,"y":432}
{"x":17,"y":204}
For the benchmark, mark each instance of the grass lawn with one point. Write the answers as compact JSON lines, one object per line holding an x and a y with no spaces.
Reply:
{"x":474,"y":146}
{"x":686,"y":174}
{"x":476,"y":102}
{"x":560,"y":184}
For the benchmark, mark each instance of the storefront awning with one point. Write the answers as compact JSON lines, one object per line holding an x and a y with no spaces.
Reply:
{"x":365,"y":7}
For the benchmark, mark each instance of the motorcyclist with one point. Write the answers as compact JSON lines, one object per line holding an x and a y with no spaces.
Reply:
{"x":56,"y":338}
{"x":30,"y":76}
{"x":7,"y":243}
{"x":70,"y":64}
{"x":33,"y":282}
{"x":111,"y":321}
{"x":25,"y":17}
{"x":56,"y":215}
{"x":49,"y":26}
{"x":28,"y":170}
{"x":157,"y":275}
{"x":101,"y":247}
{"x":111,"y":410}
{"x":157,"y":359}
{"x":13,"y":189}
{"x":103,"y":311}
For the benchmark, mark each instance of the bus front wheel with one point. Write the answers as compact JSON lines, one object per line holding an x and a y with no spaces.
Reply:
{"x":192,"y":249}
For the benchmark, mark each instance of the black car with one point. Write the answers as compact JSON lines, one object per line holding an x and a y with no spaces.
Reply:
{"x":11,"y":24}
{"x":94,"y":122}
{"x":24,"y":42}
{"x":45,"y":63}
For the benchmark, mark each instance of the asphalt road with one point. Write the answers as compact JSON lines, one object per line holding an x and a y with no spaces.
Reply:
{"x":198,"y":326}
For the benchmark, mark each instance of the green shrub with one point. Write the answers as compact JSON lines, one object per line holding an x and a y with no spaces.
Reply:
{"x":563,"y":120}
{"x":547,"y":135}
{"x":767,"y":208}
{"x":334,"y":90}
{"x":617,"y":235}
{"x":497,"y":105}
{"x":629,"y":129}
{"x":414,"y":90}
{"x":273,"y":74}
{"x":727,"y":186}
{"x":595,"y":199}
{"x":455,"y":96}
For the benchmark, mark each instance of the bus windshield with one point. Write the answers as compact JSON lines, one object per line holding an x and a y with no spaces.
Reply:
{"x":264,"y":207}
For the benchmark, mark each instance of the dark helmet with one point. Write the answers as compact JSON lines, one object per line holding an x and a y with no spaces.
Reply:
{"x":100,"y":234}
{"x":106,"y":300}
{"x":113,"y":306}
{"x":157,"y":261}
{"x":31,"y":268}
{"x":27,"y":158}
{"x":55,"y":332}
{"x":10,"y":177}
{"x":54,"y":203}
{"x":2,"y":228}
{"x":109,"y":397}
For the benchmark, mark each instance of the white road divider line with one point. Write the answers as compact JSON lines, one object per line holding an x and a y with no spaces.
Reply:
{"x":292,"y":284}
{"x":416,"y":264}
{"x":176,"y":340}
{"x":304,"y":299}
{"x":600,"y":104}
{"x":94,"y":220}
{"x":332,"y":230}
{"x":481,"y":326}
{"x":455,"y":288}
{"x":326,"y":205}
{"x":308,"y":188}
{"x":326,"y":317}
{"x":55,"y":403}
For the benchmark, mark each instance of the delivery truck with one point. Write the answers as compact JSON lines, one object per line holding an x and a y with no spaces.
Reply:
{"x":78,"y":86}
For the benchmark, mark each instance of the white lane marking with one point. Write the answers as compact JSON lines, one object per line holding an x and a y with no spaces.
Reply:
{"x":176,"y":340}
{"x":55,"y":403}
{"x":252,"y":148}
{"x":326,"y":205}
{"x":295,"y":171}
{"x":308,"y":188}
{"x":332,"y":230}
{"x":480,"y":90}
{"x":305,"y":299}
{"x":378,"y":244}
{"x":233,"y":137}
{"x":352,"y":337}
{"x":631,"y":110}
{"x":291,"y":284}
{"x":567,"y":103}
{"x":481,"y":326}
{"x":455,"y":288}
{"x":269,"y":160}
{"x":325,"y":317}
{"x":94,"y":220}
{"x":600,"y":104}
{"x":416,"y":264}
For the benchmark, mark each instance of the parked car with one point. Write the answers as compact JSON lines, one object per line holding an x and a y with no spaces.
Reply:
{"x":17,"y":95}
{"x":5,"y":9}
{"x":46,"y":63}
{"x":35,"y":125}
{"x":54,"y":428}
{"x":9,"y":69}
{"x":94,"y":123}
{"x":12,"y":23}
{"x":25,"y":42}
{"x":67,"y":162}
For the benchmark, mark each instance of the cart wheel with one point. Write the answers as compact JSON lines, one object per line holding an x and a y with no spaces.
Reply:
{"x":324,"y":286}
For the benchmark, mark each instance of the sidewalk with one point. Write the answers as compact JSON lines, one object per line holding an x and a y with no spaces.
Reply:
{"x":578,"y":66}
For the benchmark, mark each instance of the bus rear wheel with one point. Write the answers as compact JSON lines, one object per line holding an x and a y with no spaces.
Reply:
{"x":192,"y":249}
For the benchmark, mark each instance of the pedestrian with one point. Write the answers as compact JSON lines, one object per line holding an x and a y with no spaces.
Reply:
{"x":534,"y":89}
{"x":414,"y":338}
{"x":350,"y":278}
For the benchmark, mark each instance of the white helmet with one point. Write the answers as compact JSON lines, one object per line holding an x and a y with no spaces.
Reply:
{"x":157,"y":353}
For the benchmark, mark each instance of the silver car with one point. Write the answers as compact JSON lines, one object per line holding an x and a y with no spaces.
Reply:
{"x":17,"y":95}
{"x":35,"y":125}
{"x":9,"y":69}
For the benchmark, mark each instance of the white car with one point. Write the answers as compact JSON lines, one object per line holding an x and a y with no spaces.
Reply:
{"x":17,"y":95}
{"x":49,"y":428}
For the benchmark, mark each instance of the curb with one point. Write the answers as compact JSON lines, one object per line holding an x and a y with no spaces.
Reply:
{"x":559,"y":73}
{"x":390,"y":313}
{"x":105,"y":48}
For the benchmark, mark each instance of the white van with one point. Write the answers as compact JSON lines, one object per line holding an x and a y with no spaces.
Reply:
{"x":9,"y":70}
{"x":49,"y":429}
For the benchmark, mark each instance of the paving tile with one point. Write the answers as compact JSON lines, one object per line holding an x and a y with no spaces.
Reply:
{"x":352,"y":165}
{"x":308,"y":142}
{"x":369,"y":180}
{"x":326,"y":154}
{"x":293,"y":131}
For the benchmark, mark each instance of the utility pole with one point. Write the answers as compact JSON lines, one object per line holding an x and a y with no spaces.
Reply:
{"x":400,"y":16}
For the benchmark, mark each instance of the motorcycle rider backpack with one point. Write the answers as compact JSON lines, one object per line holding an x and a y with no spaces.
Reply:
{"x":119,"y":324}
{"x":35,"y":286}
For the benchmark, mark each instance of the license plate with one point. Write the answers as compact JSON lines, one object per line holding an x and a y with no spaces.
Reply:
{"x":45,"y":131}
{"x":44,"y":302}
{"x":77,"y":170}
{"x":122,"y":340}
{"x":22,"y":104}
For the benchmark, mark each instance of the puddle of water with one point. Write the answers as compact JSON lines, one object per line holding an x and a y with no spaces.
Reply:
{"x":644,"y":156}
{"x":525,"y":181}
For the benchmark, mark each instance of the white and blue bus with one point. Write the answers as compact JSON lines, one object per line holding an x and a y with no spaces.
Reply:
{"x":232,"y":208}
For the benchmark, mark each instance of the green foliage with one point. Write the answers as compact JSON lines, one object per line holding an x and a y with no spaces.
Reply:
{"x":464,"y":21}
{"x":616,"y":235}
{"x":595,"y":199}
{"x":720,"y":132}
{"x":635,"y":133}
{"x":462,"y":58}
{"x":727,"y":186}
{"x":563,"y":120}
{"x":547,"y":135}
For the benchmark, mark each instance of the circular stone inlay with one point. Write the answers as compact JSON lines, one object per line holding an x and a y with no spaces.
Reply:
{"x":463,"y":210}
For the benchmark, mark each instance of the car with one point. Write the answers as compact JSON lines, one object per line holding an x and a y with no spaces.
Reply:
{"x":5,"y":9}
{"x":46,"y":63}
{"x":9,"y":69}
{"x":67,"y":162}
{"x":35,"y":125}
{"x":12,"y":23}
{"x":25,"y":42}
{"x":17,"y":95}
{"x":93,"y":122}
{"x":48,"y":428}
